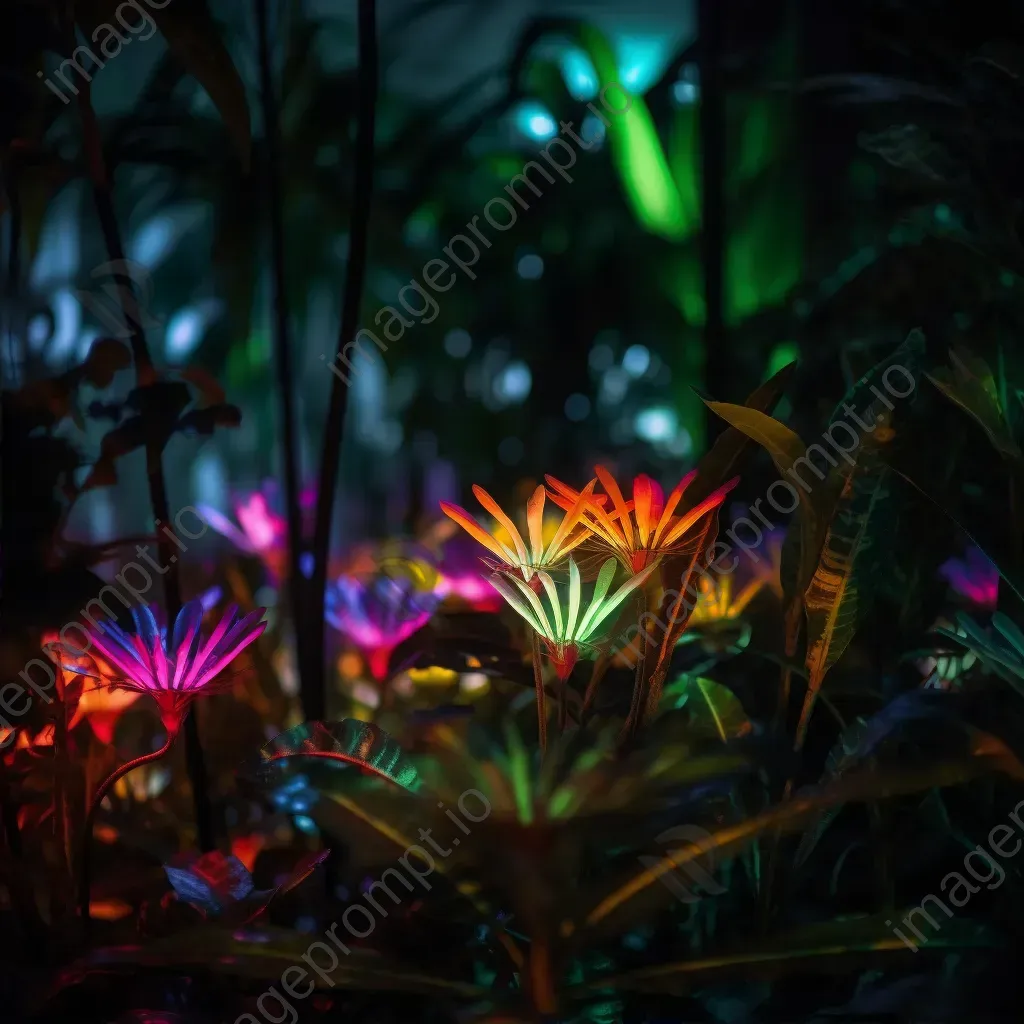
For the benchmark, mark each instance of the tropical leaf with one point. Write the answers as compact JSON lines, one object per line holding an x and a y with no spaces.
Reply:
{"x":714,"y":710}
{"x":634,"y":897}
{"x":348,"y":742}
{"x":836,"y":597}
{"x":840,"y":946}
{"x":262,"y":955}
{"x":1000,"y":652}
{"x":788,"y":451}
{"x":972,"y":386}
{"x":719,"y":463}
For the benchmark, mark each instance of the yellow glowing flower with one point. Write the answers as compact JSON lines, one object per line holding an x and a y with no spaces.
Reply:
{"x":513,"y":555}
{"x":715,"y":601}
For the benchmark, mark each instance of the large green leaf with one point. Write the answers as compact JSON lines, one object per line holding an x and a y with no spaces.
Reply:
{"x":972,"y":386}
{"x":714,"y":710}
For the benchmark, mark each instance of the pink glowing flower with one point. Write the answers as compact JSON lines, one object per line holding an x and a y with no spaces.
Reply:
{"x":465,"y":576}
{"x":175,"y":673}
{"x":378,"y":614}
{"x":974,"y":578}
{"x":262,"y":531}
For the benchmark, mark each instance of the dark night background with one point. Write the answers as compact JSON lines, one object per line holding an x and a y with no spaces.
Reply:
{"x":800,"y":195}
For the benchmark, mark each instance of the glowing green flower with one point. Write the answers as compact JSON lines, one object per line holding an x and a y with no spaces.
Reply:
{"x":565,"y":635}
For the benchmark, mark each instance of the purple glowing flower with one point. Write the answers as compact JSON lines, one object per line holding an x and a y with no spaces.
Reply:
{"x":261,"y":531}
{"x":974,"y":578}
{"x":464,"y":575}
{"x":378,"y":614}
{"x":175,"y":673}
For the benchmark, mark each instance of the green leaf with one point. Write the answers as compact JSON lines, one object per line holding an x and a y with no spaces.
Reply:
{"x":347,"y":742}
{"x":840,"y":946}
{"x":972,"y":386}
{"x":719,"y":464}
{"x":633,"y":898}
{"x":836,"y":596}
{"x":715,"y":711}
{"x":261,"y":955}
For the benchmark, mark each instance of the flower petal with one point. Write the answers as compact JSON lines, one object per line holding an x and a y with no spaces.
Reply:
{"x":495,"y":510}
{"x":477,"y":532}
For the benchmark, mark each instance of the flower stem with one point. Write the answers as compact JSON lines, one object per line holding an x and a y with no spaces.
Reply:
{"x":538,"y":681}
{"x":312,"y":672}
{"x":90,"y":818}
{"x":600,"y":668}
{"x":133,"y":316}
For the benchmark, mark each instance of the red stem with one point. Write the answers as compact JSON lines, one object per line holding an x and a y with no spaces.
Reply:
{"x":90,"y":818}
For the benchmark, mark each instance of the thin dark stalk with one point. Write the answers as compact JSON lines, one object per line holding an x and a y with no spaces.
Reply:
{"x":282,"y":328}
{"x":538,"y":683}
{"x":13,"y":283}
{"x":85,"y":864}
{"x":636,"y":703}
{"x":104,"y":201}
{"x":314,"y":688}
{"x":600,"y":668}
{"x":718,"y":364}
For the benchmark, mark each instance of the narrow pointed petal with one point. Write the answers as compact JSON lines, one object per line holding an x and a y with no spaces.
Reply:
{"x":556,"y":607}
{"x":604,"y":581}
{"x":574,"y":601}
{"x":534,"y":602}
{"x":665,"y":519}
{"x":226,"y":528}
{"x":572,"y":519}
{"x":239,"y":636}
{"x":477,"y":532}
{"x":189,"y":619}
{"x":607,"y":607}
{"x":643,"y":493}
{"x":501,"y":584}
{"x":609,"y":484}
{"x":495,"y":510}
{"x":561,"y":494}
{"x":712,"y":501}
{"x":535,"y":521}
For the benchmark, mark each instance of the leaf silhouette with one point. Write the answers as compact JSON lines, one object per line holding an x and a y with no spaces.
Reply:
{"x":972,"y":387}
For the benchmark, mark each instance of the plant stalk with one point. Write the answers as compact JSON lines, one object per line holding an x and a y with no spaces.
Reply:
{"x":538,"y":683}
{"x":282,"y":329}
{"x":314,"y":689}
{"x":85,"y":865}
{"x":145,"y":374}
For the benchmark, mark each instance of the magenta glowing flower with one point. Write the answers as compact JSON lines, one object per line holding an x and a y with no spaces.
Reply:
{"x":974,"y":578}
{"x":464,"y":575}
{"x":261,"y":531}
{"x":175,"y":673}
{"x":378,"y":614}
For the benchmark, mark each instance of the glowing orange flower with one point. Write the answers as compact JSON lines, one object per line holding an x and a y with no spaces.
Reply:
{"x":643,"y":530}
{"x":540,"y":555}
